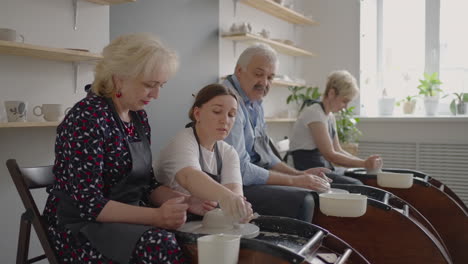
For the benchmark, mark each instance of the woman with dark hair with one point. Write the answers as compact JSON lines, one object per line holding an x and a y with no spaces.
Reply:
{"x":198,"y":162}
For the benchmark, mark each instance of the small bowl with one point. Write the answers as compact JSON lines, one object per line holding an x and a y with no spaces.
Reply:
{"x":395,"y":180}
{"x":343,"y":204}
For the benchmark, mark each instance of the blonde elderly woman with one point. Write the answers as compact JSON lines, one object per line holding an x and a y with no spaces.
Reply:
{"x":314,"y":140}
{"x":97,"y":207}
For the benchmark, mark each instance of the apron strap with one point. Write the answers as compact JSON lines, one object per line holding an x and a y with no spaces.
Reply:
{"x":219,"y":162}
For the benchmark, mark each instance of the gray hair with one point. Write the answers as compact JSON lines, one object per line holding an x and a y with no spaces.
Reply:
{"x":258,"y":49}
{"x":343,"y":83}
{"x":131,"y":56}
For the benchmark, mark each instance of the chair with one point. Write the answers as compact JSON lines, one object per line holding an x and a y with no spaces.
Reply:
{"x":26,"y":179}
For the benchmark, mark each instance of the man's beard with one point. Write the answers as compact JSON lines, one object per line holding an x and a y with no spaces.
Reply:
{"x":259,"y":87}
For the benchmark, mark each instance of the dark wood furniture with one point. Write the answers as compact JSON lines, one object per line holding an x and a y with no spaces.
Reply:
{"x":26,"y":179}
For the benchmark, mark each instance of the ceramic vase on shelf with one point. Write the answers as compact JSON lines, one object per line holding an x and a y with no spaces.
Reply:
{"x":386,"y":106}
{"x":461,"y":108}
{"x":431,"y":104}
{"x":409,"y":107}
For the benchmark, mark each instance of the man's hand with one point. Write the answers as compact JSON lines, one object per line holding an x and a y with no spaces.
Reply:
{"x":198,"y":206}
{"x":311,"y":182}
{"x":172,"y":214}
{"x":319,"y":172}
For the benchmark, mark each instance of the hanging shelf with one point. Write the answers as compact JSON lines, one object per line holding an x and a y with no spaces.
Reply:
{"x":278,"y":46}
{"x":279,"y":11}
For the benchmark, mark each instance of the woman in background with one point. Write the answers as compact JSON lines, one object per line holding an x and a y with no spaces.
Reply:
{"x":314,"y":140}
{"x":198,"y":162}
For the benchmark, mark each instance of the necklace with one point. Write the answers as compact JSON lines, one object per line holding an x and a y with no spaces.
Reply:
{"x":129,"y":128}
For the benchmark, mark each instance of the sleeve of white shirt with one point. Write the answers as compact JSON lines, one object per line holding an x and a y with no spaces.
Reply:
{"x":314,"y":113}
{"x":180,"y":153}
{"x":230,"y":172}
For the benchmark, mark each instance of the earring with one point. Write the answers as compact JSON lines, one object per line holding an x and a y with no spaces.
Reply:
{"x":118,"y":95}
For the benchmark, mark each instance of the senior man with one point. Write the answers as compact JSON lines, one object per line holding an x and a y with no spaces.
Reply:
{"x":273,"y":187}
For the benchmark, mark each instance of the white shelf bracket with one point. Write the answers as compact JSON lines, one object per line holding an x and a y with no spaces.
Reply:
{"x":75,"y":14}
{"x":235,"y":6}
{"x":234,"y":48}
{"x":76,"y":68}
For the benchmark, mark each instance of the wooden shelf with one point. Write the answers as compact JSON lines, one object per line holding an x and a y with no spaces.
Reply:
{"x":278,"y":46}
{"x":110,"y":2}
{"x":280,"y":120}
{"x":29,"y":124}
{"x":278,"y":82}
{"x":287,"y":83}
{"x":279,"y":11}
{"x":47,"y":53}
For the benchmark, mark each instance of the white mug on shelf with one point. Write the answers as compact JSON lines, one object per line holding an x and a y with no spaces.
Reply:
{"x":9,"y":34}
{"x":16,"y":111}
{"x":51,"y":112}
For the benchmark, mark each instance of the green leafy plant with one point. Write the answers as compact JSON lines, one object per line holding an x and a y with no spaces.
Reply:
{"x":408,"y":98}
{"x":430,"y":85}
{"x":346,"y":126}
{"x":460,"y":98}
{"x":302,"y":94}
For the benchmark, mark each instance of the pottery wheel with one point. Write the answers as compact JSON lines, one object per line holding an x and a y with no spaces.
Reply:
{"x":244,"y":230}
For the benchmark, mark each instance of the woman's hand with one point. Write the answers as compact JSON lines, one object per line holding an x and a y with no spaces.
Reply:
{"x":373,"y":162}
{"x":171,"y":214}
{"x":198,"y":206}
{"x":236,"y":206}
{"x":249,"y":213}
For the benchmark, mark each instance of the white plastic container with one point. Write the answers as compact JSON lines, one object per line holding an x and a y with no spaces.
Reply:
{"x":395,"y":180}
{"x":343,"y":204}
{"x":221,"y":248}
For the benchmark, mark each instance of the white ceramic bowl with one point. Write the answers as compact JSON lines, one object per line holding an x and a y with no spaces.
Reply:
{"x":216,"y":219}
{"x":395,"y":180}
{"x":343,"y":204}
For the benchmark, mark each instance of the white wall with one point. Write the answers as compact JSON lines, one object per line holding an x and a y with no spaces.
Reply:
{"x":48,"y":23}
{"x":191,"y":28}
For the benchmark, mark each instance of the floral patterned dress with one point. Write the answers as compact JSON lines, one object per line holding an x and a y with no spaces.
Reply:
{"x":92,"y":156}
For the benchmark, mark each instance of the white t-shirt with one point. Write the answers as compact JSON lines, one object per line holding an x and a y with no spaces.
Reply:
{"x":301,"y":138}
{"x":183,"y":152}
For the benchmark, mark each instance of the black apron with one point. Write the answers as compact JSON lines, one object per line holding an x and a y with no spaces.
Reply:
{"x":305,"y":159}
{"x":261,"y":141}
{"x":216,"y":177}
{"x":115,"y":241}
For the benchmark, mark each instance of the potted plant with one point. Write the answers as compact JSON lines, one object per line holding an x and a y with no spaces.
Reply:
{"x":348,"y":133}
{"x":409,"y":104}
{"x":458,"y":105}
{"x":302,"y":95}
{"x":429,"y":88}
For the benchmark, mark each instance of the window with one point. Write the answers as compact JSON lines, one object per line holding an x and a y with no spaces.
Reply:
{"x":400,"y":40}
